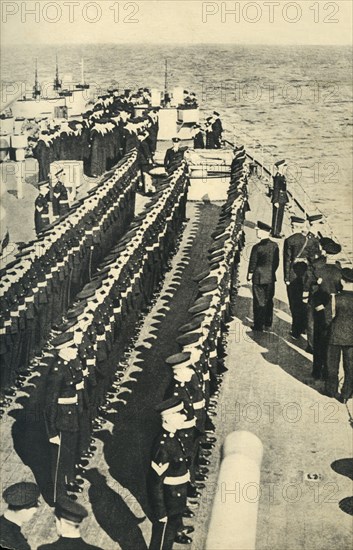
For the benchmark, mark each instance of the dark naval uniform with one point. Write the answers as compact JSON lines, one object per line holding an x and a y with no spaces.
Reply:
{"x":60,"y":199}
{"x":173,"y":159}
{"x":264,"y":261}
{"x":41,"y":212}
{"x":19,"y":496}
{"x":75,"y":513}
{"x":11,"y":536}
{"x":199,"y":141}
{"x":279,"y":197}
{"x":167,"y":488}
{"x":327,"y":282}
{"x":66,"y":543}
{"x":217,"y":132}
{"x":341,"y":343}
{"x":298,"y":250}
{"x":63,"y":410}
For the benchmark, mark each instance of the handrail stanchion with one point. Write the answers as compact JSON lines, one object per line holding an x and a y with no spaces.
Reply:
{"x":234,"y":513}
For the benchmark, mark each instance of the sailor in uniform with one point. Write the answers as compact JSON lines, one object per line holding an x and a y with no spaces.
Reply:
{"x":69,"y":516}
{"x":62,"y":412}
{"x":210,"y":135}
{"x":41,"y":207}
{"x":326,"y":282}
{"x":313,"y":248}
{"x":60,"y":196}
{"x":340,"y":341}
{"x":198,"y":137}
{"x":217,"y":129}
{"x":173,"y":157}
{"x":168,"y":476}
{"x":295,"y":261}
{"x":263,"y":264}
{"x":22,"y":501}
{"x":279,"y":199}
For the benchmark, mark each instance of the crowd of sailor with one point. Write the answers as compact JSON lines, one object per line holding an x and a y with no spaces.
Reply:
{"x":83,"y":356}
{"x":108,"y":131}
{"x":41,"y":283}
{"x":319,"y":291}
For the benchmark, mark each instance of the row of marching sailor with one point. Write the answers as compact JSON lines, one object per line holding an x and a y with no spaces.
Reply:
{"x":38,"y":287}
{"x":182,"y":450}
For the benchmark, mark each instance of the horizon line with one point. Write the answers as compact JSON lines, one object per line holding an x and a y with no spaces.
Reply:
{"x":175,"y":44}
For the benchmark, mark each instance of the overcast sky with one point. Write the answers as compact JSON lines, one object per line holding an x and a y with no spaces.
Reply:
{"x":176,"y":21}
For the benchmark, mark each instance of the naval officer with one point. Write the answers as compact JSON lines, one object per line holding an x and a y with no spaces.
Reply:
{"x":60,"y":196}
{"x":279,"y":199}
{"x":168,"y":476}
{"x":295,"y":261}
{"x":340,"y":342}
{"x":22,"y":501}
{"x":41,"y":207}
{"x":174,"y":155}
{"x":217,"y":129}
{"x":197,"y":137}
{"x":69,"y":516}
{"x":263,"y":264}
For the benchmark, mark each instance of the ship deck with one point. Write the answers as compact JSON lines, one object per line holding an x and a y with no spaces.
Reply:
{"x":267,"y":390}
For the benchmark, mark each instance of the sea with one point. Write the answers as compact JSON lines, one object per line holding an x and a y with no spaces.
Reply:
{"x":282,"y":102}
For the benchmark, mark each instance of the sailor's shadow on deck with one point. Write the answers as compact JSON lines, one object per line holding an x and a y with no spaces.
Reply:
{"x":279,"y":348}
{"x":30,"y":440}
{"x":344,"y":466}
{"x":114,"y":513}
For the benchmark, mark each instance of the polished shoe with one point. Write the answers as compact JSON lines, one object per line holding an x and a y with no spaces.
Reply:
{"x":182,"y":538}
{"x":210,"y":439}
{"x":203,"y":461}
{"x":87,"y":454}
{"x":193,"y":492}
{"x":186,"y":529}
{"x":201,"y":477}
{"x":80,"y":471}
{"x":207,"y":445}
{"x":96,"y":426}
{"x":72,"y":496}
{"x":92,"y":448}
{"x":82,"y":464}
{"x":193,"y":504}
{"x":200,"y":485}
{"x":188,"y":513}
{"x":10,"y":392}
{"x":79,"y":481}
{"x":73,"y":487}
{"x":202,"y":470}
{"x":205,"y":452}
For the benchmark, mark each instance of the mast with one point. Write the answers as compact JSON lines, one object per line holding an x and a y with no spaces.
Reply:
{"x":82,"y":72}
{"x":166,"y":78}
{"x":36,"y":87}
{"x":166,"y":94}
{"x":57,"y":81}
